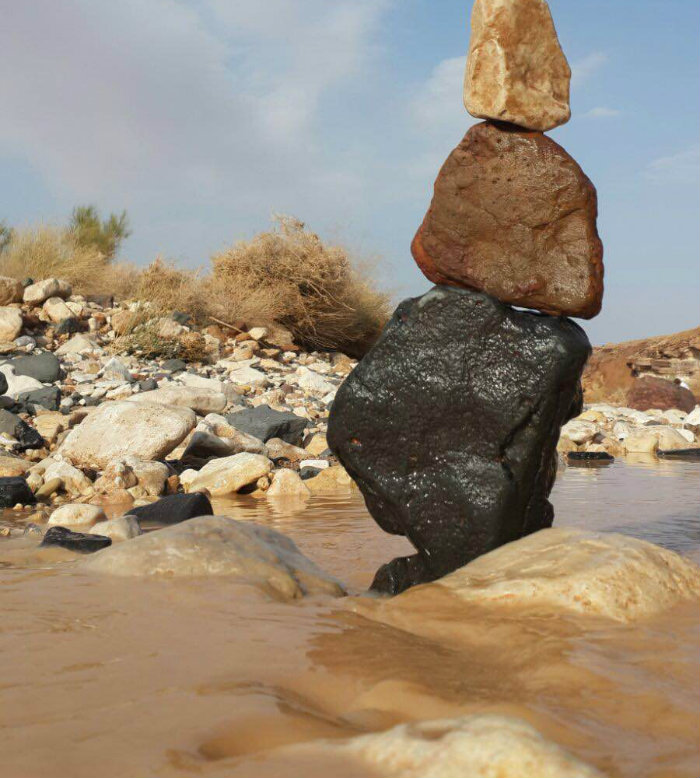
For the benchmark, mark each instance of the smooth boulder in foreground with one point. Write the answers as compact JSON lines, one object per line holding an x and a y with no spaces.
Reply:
{"x":449,"y":426}
{"x":476,"y":746}
{"x":216,"y":545}
{"x":593,"y":573}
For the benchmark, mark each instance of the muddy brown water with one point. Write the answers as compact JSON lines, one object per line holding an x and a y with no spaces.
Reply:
{"x":106,"y":678}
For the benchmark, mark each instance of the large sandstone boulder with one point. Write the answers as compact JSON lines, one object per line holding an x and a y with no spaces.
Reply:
{"x":514,"y":215}
{"x":594,"y":573}
{"x":476,"y":746}
{"x":38,"y":293}
{"x":449,"y":426}
{"x":199,"y":399}
{"x":217,"y":545}
{"x":649,"y":392}
{"x":516,"y":71}
{"x":116,"y":430}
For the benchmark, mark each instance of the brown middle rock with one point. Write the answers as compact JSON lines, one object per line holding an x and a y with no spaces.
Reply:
{"x":514,"y":215}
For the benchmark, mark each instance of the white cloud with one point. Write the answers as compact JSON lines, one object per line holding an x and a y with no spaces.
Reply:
{"x":682,"y":167}
{"x":584,"y":68}
{"x":437,"y":102}
{"x":162,"y":103}
{"x":601,"y":112}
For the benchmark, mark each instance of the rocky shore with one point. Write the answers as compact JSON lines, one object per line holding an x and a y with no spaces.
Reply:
{"x":88,"y":431}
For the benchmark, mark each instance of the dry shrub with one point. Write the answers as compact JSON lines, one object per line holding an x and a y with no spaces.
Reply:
{"x":46,"y":251}
{"x":168,"y":289}
{"x":289,"y":276}
{"x":145,"y":341}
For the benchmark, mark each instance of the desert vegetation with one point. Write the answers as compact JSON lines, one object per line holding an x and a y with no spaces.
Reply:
{"x":286,"y":275}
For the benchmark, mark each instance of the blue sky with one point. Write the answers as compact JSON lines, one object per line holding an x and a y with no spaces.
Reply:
{"x":204,"y":117}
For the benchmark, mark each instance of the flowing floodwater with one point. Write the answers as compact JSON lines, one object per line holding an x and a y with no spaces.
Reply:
{"x":104,"y":677}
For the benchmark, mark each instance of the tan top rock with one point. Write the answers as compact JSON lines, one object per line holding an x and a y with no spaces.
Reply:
{"x":513,"y":215}
{"x":516,"y":71}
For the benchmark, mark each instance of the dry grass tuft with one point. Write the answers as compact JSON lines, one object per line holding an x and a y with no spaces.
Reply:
{"x":288,"y":275}
{"x":47,"y":251}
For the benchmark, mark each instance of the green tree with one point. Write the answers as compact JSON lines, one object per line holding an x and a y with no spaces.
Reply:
{"x":106,"y":236}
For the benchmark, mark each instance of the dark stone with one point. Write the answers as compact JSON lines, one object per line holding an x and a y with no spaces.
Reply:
{"x":8,"y":422}
{"x":148,"y":385}
{"x":515,"y":216}
{"x":75,"y":541}
{"x":45,"y":367}
{"x":3,"y":383}
{"x":27,"y":282}
{"x":92,"y":402}
{"x":103,"y":300}
{"x":308,"y":471}
{"x":173,"y":365}
{"x":264,"y":423}
{"x":173,"y":509}
{"x":48,"y":397}
{"x":14,"y":489}
{"x":650,"y":392}
{"x":27,"y":437}
{"x":589,"y":458}
{"x":181,"y":317}
{"x":680,"y":453}
{"x":449,"y":426}
{"x":68,"y":326}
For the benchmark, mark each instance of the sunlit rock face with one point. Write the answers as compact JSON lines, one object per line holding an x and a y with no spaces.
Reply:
{"x":449,"y":426}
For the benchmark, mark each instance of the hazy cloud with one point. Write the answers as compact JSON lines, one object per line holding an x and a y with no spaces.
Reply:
{"x":584,"y":68}
{"x":601,"y":112}
{"x":682,"y":167}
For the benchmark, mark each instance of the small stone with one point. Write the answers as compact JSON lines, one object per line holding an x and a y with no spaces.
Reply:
{"x":514,"y":215}
{"x":47,"y":397}
{"x":13,"y":490}
{"x":73,"y":481}
{"x":57,"y":310}
{"x":74,"y":541}
{"x":516,"y":71}
{"x":317,"y":445}
{"x":115,"y":370}
{"x":257,"y":333}
{"x":579,"y":431}
{"x":10,"y":323}
{"x":38,"y":293}
{"x":199,"y":399}
{"x":314,"y":383}
{"x":329,"y":479}
{"x":174,"y":366}
{"x":280,"y":449}
{"x":77,"y":514}
{"x":248,"y":376}
{"x":173,"y":509}
{"x":48,"y":488}
{"x":11,"y":466}
{"x":11,"y":290}
{"x":319,"y":464}
{"x":230,"y":474}
{"x":44,"y":367}
{"x":287,"y":483}
{"x":264,"y":423}
{"x":122,"y":528}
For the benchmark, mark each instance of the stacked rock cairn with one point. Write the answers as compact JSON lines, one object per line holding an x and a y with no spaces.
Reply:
{"x":449,"y":424}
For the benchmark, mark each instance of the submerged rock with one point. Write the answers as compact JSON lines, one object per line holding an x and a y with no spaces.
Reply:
{"x":477,"y":746}
{"x":594,"y":573}
{"x":515,"y":216}
{"x":449,"y":426}
{"x":217,"y":545}
{"x":80,"y":542}
{"x":516,"y":71}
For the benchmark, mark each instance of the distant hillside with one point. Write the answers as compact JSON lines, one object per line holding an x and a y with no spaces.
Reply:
{"x":612,"y":369}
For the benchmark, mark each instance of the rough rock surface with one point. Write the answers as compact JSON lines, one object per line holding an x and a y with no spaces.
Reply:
{"x":198,"y":399}
{"x":477,"y":746}
{"x":649,"y":392}
{"x":13,"y":490}
{"x":11,"y":290}
{"x":217,"y":545}
{"x":173,"y":509}
{"x":516,"y":71}
{"x":10,"y":324}
{"x":449,"y":426}
{"x":44,"y":367}
{"x":595,"y":573}
{"x":115,"y":430}
{"x":264,"y":423}
{"x":80,"y":542}
{"x":515,"y":216}
{"x":229,"y":474}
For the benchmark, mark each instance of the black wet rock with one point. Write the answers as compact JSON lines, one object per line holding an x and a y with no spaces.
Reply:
{"x":173,"y":509}
{"x":48,"y":397}
{"x":449,"y":426}
{"x":45,"y":367}
{"x":80,"y":542}
{"x":27,"y":436}
{"x":308,"y":471}
{"x":264,"y":423}
{"x":3,"y":383}
{"x":14,"y":489}
{"x":589,"y":458}
{"x":679,"y":453}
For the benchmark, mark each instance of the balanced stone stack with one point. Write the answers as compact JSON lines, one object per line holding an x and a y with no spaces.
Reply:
{"x":449,"y":425}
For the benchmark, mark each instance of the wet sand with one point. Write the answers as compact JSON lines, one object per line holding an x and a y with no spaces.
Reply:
{"x":121,"y":677}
